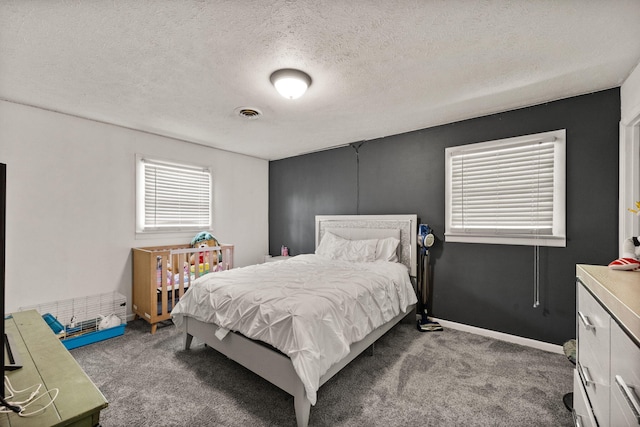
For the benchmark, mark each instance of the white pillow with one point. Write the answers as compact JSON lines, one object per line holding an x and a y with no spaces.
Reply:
{"x":387,"y":249}
{"x":328,"y":245}
{"x":335,"y":247}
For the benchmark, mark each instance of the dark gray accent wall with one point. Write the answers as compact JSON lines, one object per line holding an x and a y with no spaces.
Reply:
{"x":488,"y":286}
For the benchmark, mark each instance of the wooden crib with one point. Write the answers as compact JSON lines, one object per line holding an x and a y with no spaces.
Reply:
{"x":162,"y":274}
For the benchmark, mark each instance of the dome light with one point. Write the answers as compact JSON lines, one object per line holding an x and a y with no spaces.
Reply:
{"x":290,"y":83}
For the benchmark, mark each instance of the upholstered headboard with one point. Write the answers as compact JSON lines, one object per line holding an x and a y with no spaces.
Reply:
{"x":358,"y":227}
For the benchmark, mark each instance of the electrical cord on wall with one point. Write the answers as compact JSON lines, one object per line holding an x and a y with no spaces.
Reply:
{"x":356,"y":147}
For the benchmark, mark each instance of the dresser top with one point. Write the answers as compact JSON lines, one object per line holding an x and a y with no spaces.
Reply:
{"x":618,"y":291}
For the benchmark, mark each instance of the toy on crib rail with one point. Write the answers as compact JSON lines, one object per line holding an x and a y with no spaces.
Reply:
{"x":630,"y":255}
{"x":208,"y":261}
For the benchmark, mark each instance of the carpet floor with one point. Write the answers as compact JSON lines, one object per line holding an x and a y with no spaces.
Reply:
{"x":446,"y":378}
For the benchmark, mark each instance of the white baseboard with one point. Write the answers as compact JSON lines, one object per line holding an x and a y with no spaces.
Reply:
{"x":540,"y":345}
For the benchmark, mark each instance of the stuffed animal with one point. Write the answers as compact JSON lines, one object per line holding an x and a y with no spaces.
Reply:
{"x":111,"y":321}
{"x":159,"y":270}
{"x":630,"y":255}
{"x":205,"y":239}
{"x":631,"y":248}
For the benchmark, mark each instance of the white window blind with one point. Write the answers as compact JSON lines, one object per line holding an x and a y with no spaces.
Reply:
{"x":173,"y":196}
{"x":509,"y":191}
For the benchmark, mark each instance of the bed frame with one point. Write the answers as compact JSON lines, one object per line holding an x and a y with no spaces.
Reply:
{"x":276,"y":367}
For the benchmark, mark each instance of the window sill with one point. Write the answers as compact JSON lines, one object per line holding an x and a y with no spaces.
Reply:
{"x":507,"y":240}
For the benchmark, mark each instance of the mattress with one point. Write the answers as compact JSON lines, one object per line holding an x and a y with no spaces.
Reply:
{"x":309,"y":307}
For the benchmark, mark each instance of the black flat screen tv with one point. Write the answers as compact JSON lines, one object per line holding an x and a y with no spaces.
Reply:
{"x":3,"y":228}
{"x":11,"y":358}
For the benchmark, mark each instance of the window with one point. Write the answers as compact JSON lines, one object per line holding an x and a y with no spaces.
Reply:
{"x":510,"y":191}
{"x":172,"y":196}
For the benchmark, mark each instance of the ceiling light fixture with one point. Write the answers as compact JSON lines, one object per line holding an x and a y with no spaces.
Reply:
{"x":290,"y":83}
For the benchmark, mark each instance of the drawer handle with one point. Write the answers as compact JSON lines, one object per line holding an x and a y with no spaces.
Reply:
{"x":630,"y":396}
{"x":585,"y":375}
{"x":585,"y":321}
{"x":577,"y":419}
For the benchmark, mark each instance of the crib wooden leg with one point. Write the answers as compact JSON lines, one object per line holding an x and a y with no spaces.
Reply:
{"x":302,"y":407}
{"x":187,"y":341}
{"x":154,"y":328}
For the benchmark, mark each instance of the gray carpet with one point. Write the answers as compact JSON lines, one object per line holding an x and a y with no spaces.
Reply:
{"x":447,"y":378}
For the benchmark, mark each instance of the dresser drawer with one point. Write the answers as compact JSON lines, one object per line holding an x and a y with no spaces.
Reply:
{"x":582,"y":415}
{"x":593,"y":354}
{"x":593,"y":325}
{"x":625,"y":379}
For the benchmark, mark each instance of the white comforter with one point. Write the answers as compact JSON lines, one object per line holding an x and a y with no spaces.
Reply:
{"x":309,"y":307}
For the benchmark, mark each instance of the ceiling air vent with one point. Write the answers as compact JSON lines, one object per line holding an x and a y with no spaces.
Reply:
{"x":248,"y":113}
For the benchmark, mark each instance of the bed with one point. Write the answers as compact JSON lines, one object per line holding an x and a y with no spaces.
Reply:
{"x":298,"y":322}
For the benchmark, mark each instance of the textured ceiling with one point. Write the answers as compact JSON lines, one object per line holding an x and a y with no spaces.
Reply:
{"x":181,"y":68}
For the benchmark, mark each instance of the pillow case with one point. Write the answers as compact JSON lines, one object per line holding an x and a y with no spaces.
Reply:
{"x":336,"y":247}
{"x":387,"y":249}
{"x":328,"y":245}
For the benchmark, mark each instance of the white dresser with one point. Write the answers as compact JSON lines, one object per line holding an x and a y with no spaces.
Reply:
{"x":606,"y":389}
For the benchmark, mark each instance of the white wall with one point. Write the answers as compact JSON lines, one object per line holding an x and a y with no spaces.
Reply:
{"x":71,"y":203}
{"x":629,"y":224}
{"x":630,"y":95}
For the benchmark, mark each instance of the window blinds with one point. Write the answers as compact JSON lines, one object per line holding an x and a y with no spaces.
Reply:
{"x":176,"y":197}
{"x":508,"y":188}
